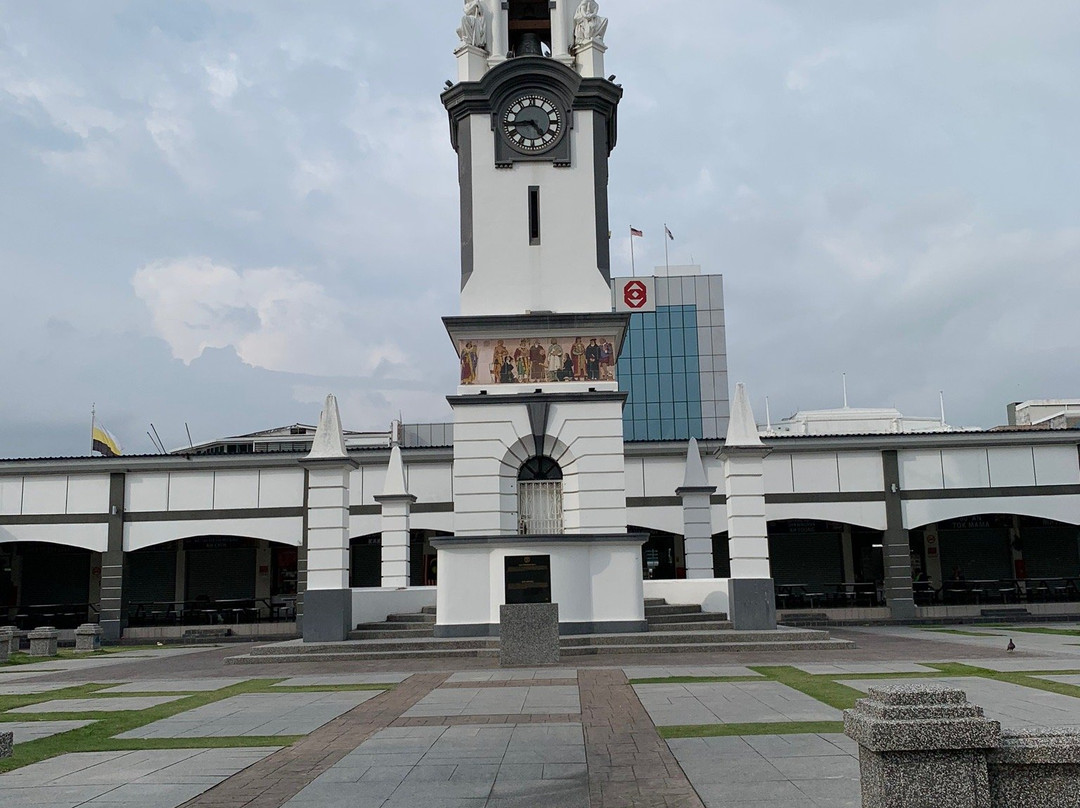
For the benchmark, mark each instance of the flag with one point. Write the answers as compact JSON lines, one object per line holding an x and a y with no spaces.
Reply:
{"x":668,"y":233}
{"x":104,"y":443}
{"x":635,"y":232}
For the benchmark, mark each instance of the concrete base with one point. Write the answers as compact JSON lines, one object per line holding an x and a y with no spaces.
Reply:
{"x":565,"y":629}
{"x":88,"y":638}
{"x":112,"y":630}
{"x":902,"y":608}
{"x":327,"y":615}
{"x":529,"y":634}
{"x":752,"y":604}
{"x":43,"y":641}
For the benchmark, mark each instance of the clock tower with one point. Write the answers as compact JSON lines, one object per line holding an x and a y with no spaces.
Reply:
{"x":539,"y":489}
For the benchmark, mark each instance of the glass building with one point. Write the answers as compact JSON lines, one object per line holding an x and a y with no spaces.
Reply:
{"x":674,"y":361}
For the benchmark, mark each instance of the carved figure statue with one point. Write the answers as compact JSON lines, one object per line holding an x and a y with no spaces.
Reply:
{"x":589,"y":26}
{"x":473,"y":30}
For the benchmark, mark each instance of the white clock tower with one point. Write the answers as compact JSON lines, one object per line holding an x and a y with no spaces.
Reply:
{"x":539,"y":493}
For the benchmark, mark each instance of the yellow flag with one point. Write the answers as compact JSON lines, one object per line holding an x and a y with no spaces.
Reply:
{"x":104,"y":443}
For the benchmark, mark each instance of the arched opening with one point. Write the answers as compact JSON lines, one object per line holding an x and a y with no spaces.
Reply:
{"x":529,"y":24}
{"x":995,"y":558}
{"x":540,"y":497}
{"x":818,"y":564}
{"x":48,"y":584}
{"x":365,"y":559}
{"x":210,"y":580}
{"x":663,"y":555}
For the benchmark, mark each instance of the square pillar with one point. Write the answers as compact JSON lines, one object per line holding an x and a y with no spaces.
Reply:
{"x":896,"y":549}
{"x":328,"y":599}
{"x":396,"y":539}
{"x":111,"y":602}
{"x":697,"y":530}
{"x":751,"y":594}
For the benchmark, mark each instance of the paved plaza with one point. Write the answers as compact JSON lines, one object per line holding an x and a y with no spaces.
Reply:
{"x":179,"y":727}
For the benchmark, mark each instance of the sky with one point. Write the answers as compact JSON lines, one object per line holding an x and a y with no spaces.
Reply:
{"x":214,"y":213}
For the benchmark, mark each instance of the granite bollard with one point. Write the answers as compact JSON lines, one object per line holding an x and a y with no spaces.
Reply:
{"x":528,"y":634}
{"x":88,"y":638}
{"x":1036,"y":768}
{"x":43,"y":641}
{"x":922,"y":746}
{"x":7,"y":744}
{"x":9,"y":642}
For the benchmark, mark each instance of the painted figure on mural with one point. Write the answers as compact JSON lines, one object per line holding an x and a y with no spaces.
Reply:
{"x":521,"y":360}
{"x":469,"y":359}
{"x":567,"y":372}
{"x":592,"y":361}
{"x":506,"y":372}
{"x":554,"y":360}
{"x":607,"y":360}
{"x":577,"y":351}
{"x":498,"y":356}
{"x":537,"y":362}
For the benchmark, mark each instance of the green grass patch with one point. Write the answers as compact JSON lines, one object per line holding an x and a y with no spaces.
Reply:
{"x":99,"y":736}
{"x":778,"y":728}
{"x":691,"y":680}
{"x":1059,"y":632}
{"x":820,"y":687}
{"x":1024,"y":679}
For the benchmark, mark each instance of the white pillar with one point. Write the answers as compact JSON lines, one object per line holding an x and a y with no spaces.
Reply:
{"x":752,"y":599}
{"x":695,"y":493}
{"x":396,"y":504}
{"x":328,"y":599}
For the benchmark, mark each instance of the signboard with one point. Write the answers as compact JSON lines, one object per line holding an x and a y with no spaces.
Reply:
{"x":634,"y":294}
{"x":528,"y":579}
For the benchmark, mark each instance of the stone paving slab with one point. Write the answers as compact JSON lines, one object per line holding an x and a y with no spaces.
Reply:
{"x":497,"y":701}
{"x":730,"y":703}
{"x":1066,"y":679}
{"x":256,"y":714}
{"x":767,"y":771}
{"x":1012,"y":705}
{"x":668,"y":671}
{"x":484,"y":766}
{"x":173,"y":686}
{"x":96,"y":705}
{"x":161,"y":778}
{"x":1020,"y":665}
{"x":517,"y":675}
{"x":26,"y":731}
{"x":29,"y":688}
{"x":841,"y":668}
{"x":334,"y":679}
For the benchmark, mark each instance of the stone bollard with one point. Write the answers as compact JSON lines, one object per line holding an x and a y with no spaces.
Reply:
{"x":922,"y":746}
{"x":88,"y":638}
{"x":1036,"y":768}
{"x":7,"y":744}
{"x":7,"y":643}
{"x":43,"y":641}
{"x":528,"y":634}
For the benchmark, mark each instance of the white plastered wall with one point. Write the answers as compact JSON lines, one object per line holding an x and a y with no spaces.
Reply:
{"x":56,"y":495}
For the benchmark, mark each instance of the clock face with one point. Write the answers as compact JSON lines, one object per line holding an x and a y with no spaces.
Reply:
{"x":532,"y":123}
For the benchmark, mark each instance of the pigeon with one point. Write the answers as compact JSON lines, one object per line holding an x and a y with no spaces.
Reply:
{"x":1011,"y":646}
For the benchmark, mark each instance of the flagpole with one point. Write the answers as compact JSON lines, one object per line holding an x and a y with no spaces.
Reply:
{"x":667,"y":238}
{"x":633,"y":266}
{"x":93,"y":423}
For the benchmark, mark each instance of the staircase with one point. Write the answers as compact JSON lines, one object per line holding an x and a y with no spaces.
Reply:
{"x":672,"y":628}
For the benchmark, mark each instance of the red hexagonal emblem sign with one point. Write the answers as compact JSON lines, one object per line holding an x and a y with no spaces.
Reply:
{"x":635,"y":294}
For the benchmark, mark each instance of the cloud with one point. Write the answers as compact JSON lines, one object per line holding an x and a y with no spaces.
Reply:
{"x":275,"y":318}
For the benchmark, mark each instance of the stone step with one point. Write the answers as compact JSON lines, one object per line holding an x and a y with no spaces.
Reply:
{"x":362,"y":656}
{"x":700,"y":625}
{"x":701,"y":617}
{"x":399,"y":626}
{"x":669,"y":608}
{"x":695,"y":637}
{"x":418,"y":644}
{"x":415,"y":617}
{"x":655,"y":602}
{"x":391,"y":634}
{"x":717,"y":647}
{"x":428,"y":610}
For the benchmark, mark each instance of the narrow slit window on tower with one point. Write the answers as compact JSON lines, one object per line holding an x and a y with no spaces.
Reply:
{"x":534,"y":215}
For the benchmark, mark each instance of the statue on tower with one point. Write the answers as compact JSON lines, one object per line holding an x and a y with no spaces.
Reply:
{"x":589,"y":26}
{"x":473,"y":30}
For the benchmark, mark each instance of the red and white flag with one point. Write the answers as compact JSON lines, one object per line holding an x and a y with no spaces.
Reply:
{"x":635,"y":232}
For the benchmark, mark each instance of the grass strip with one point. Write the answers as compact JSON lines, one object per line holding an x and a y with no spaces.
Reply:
{"x":690,"y":680}
{"x":1059,"y":632}
{"x":778,"y":728}
{"x":817,"y":686}
{"x":1024,"y":679}
{"x":99,"y":736}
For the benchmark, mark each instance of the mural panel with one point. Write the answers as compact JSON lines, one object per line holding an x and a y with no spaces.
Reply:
{"x":547,"y":359}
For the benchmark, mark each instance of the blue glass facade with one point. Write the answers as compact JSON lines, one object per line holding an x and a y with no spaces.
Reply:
{"x":660,"y":369}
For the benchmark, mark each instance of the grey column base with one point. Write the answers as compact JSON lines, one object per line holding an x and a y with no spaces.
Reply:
{"x":901,"y":608}
{"x":752,"y":604}
{"x":111,"y":630}
{"x":327,"y":615}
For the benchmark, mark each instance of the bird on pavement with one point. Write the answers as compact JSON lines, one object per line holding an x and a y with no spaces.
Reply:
{"x":1011,"y":646}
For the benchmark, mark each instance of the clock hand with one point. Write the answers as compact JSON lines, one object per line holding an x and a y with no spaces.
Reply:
{"x":529,"y":122}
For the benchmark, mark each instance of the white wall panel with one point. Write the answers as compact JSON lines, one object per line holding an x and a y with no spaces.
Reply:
{"x":663,"y":475}
{"x":43,"y":495}
{"x":920,"y":469}
{"x":860,"y":471}
{"x":965,"y":468}
{"x":1012,"y":465}
{"x":865,"y":514}
{"x":668,"y":518}
{"x":634,"y":472}
{"x":815,"y":473}
{"x":89,"y":537}
{"x":138,"y":535}
{"x":88,"y":494}
{"x":777,"y":475}
{"x":191,"y":491}
{"x":11,"y":490}
{"x":236,"y":489}
{"x":1057,"y":465}
{"x":147,"y":492}
{"x":281,"y":488}
{"x":364,"y":525}
{"x":1060,"y":508}
{"x":430,"y":483}
{"x":374,"y":478}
